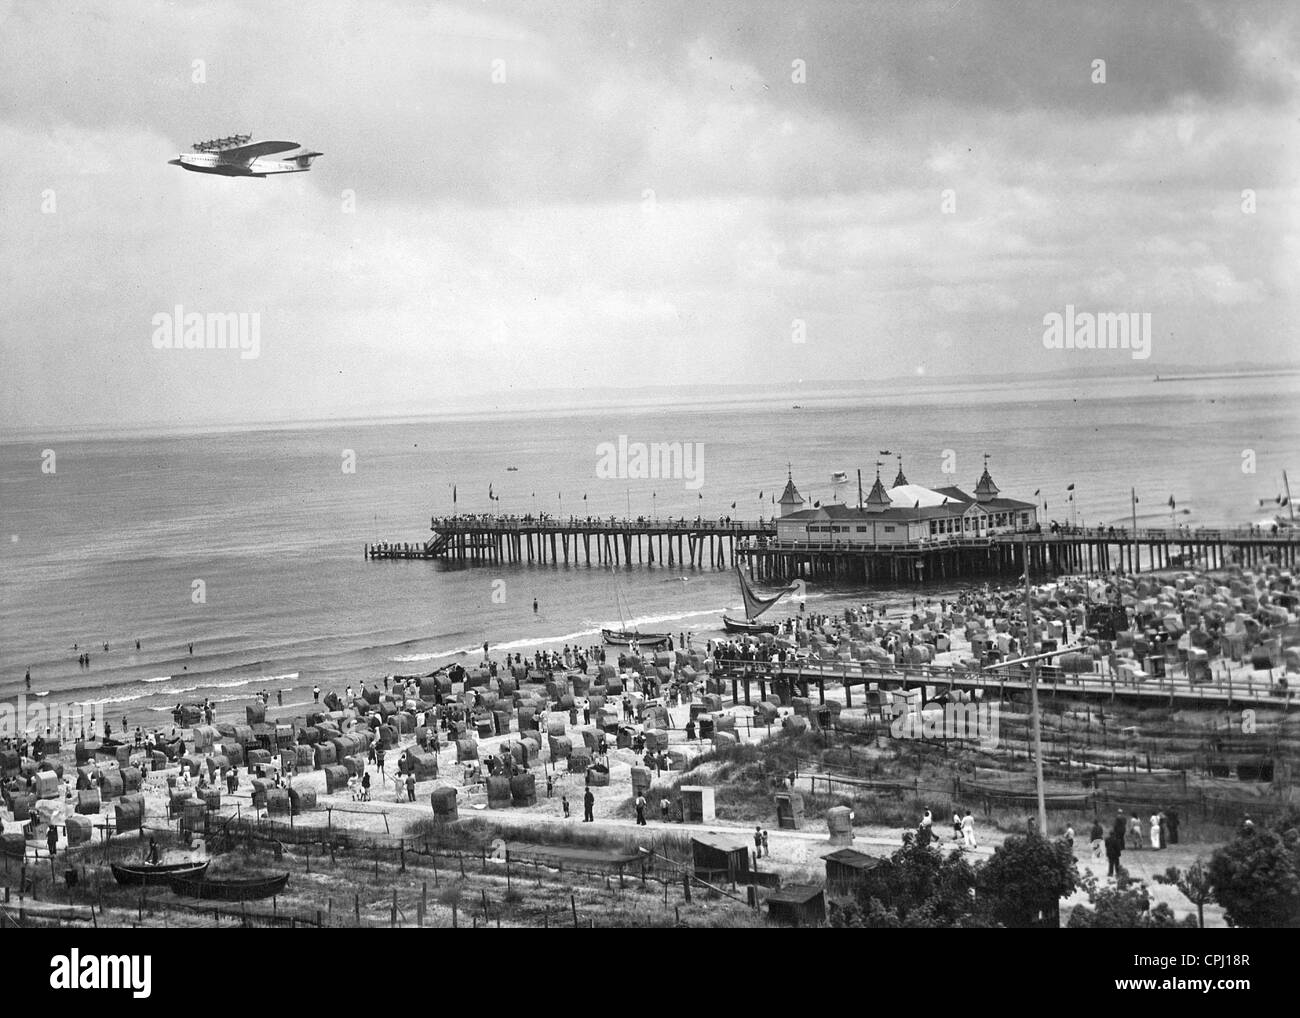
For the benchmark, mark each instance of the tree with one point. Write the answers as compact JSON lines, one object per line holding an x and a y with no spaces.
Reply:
{"x":1125,"y":906}
{"x":1256,"y":878}
{"x":1195,"y":885}
{"x":916,"y":887}
{"x":1023,"y":884}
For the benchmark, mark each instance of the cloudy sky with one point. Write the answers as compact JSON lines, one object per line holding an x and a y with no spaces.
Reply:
{"x":655,"y":192}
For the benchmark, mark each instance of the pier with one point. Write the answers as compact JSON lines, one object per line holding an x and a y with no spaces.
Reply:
{"x":873,"y":679}
{"x":716,"y":544}
{"x":503,"y":540}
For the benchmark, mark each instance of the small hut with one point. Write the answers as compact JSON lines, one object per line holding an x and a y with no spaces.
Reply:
{"x":797,"y":905}
{"x":847,"y":869}
{"x":789,"y":810}
{"x":697,"y":804}
{"x":720,"y":857}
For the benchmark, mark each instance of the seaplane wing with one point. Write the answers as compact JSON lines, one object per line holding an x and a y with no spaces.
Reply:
{"x":247,"y":153}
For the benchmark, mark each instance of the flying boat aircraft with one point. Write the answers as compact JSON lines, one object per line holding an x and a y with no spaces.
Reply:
{"x":235,"y":157}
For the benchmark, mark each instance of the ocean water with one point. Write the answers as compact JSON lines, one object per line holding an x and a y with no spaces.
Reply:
{"x":114,"y":543}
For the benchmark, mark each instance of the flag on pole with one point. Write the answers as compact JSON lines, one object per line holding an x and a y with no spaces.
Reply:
{"x":490,"y":495}
{"x":1171,"y":502}
{"x":1070,"y":487}
{"x":453,"y":494}
{"x":1036,"y":491}
{"x":701,"y":495}
{"x":733,"y":505}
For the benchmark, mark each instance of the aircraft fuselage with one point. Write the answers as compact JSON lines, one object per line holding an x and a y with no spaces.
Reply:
{"x":212,"y":162}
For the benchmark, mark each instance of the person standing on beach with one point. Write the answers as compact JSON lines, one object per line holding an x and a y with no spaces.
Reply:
{"x":52,"y":840}
{"x":410,"y":787}
{"x":758,"y":842}
{"x":588,"y":802}
{"x":564,"y":804}
{"x":1097,"y":837}
{"x":968,"y":831}
{"x":29,"y":678}
{"x":640,"y":810}
{"x":315,"y":693}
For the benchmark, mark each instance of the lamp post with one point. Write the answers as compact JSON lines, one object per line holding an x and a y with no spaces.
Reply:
{"x":1033,"y":699}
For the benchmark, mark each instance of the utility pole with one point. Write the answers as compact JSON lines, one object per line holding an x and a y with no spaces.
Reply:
{"x":1137,"y":565}
{"x":1033,"y":698}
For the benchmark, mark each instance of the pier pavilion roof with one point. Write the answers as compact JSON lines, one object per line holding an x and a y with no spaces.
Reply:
{"x":910,"y":502}
{"x":791,"y":494}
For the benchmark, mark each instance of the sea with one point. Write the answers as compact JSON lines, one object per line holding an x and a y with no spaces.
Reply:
{"x":234,"y":555}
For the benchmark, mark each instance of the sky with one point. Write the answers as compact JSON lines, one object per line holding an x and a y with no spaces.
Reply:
{"x":516,"y":197}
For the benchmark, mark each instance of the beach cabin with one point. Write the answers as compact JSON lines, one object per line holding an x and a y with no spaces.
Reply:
{"x":697,"y":804}
{"x":720,"y":858}
{"x":789,"y":810}
{"x":847,"y":869}
{"x":797,"y":905}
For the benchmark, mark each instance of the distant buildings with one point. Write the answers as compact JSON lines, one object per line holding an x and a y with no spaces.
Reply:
{"x":903,"y":514}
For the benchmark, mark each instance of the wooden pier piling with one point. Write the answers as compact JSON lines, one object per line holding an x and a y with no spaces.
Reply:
{"x":487,"y":540}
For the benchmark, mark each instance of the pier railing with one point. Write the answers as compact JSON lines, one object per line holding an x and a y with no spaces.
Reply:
{"x":1052,"y":681}
{"x":488,"y":538}
{"x":597,"y":524}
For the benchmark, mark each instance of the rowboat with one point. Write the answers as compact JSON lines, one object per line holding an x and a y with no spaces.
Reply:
{"x":229,"y":888}
{"x":157,"y":873}
{"x":747,"y":626}
{"x":626,"y":637}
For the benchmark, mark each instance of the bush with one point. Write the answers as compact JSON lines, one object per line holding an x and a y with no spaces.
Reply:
{"x":1026,"y":879}
{"x":1256,"y":878}
{"x":1123,"y":907}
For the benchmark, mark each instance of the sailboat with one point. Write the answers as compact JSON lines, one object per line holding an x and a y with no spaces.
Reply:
{"x":754,"y":607}
{"x":628,"y":637}
{"x":1286,"y":522}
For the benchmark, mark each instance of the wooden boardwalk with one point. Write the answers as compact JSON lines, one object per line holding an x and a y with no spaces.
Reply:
{"x":747,"y":677}
{"x":700,"y":543}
